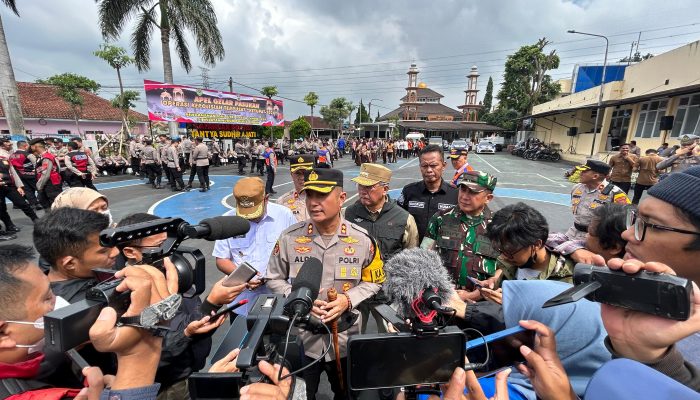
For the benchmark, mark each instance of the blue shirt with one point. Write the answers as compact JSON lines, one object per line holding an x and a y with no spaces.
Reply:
{"x":256,"y":247}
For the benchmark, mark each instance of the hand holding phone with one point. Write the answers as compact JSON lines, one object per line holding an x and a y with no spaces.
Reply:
{"x":242,"y":274}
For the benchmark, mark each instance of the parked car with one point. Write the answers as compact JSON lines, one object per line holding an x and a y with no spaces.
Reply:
{"x":435,"y":140}
{"x":485,"y":147}
{"x":459,"y":145}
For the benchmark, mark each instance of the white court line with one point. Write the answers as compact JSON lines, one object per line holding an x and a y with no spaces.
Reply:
{"x":152,"y":208}
{"x":551,"y":180}
{"x":406,"y":165}
{"x":488,"y":163}
{"x":224,"y":203}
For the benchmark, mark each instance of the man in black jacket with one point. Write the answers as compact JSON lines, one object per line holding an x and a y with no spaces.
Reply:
{"x":432,"y":194}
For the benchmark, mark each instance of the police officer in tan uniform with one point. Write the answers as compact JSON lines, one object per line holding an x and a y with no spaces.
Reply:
{"x":295,"y":199}
{"x":351,"y":264}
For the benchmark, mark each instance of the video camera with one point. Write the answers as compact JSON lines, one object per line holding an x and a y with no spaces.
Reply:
{"x":663,"y":295}
{"x":68,"y":327}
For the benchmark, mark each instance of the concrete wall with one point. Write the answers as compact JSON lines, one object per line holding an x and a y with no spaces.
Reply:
{"x":53,"y":126}
{"x":675,"y":69}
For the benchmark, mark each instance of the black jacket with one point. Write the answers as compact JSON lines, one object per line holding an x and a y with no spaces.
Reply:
{"x":388,"y":229}
{"x":422,"y":204}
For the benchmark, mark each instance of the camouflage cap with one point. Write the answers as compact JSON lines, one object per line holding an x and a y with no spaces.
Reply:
{"x":688,"y":139}
{"x":478,"y":181}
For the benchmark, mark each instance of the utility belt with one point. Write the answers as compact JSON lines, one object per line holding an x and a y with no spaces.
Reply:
{"x":579,"y":227}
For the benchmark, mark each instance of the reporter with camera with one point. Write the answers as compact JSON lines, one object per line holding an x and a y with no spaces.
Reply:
{"x":68,"y":239}
{"x":187,"y":344}
{"x":27,"y":297}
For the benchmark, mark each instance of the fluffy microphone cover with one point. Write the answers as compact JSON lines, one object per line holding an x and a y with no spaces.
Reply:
{"x":411,"y":271}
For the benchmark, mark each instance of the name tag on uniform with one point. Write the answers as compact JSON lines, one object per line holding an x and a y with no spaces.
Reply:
{"x":444,"y":206}
{"x":416,"y":204}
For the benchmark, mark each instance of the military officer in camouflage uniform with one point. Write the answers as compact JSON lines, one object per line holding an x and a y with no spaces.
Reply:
{"x":687,"y":156}
{"x":351,"y":264}
{"x":458,"y":234}
{"x":295,"y":199}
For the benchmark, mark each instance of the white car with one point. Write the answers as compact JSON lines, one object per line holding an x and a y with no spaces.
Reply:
{"x":485,"y":147}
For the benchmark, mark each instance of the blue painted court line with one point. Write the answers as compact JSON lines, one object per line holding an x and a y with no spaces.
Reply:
{"x":194,"y":206}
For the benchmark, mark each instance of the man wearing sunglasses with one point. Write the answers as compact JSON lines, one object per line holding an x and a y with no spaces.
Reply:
{"x":663,"y":236}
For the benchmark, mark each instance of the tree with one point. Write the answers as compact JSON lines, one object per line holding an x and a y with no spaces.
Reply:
{"x":361,"y":115}
{"x":311,"y":99}
{"x":269,"y":92}
{"x":9,"y":95}
{"x":335,"y":113}
{"x":69,"y":87}
{"x":117,"y":58}
{"x":488,"y":100}
{"x":637,"y":57}
{"x":377,"y":118}
{"x":299,"y":129}
{"x":505,"y":118}
{"x":525,"y":80}
{"x":172,"y":18}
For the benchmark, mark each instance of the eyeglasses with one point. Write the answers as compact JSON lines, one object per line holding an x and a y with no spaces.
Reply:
{"x":633,"y":218}
{"x":510,"y":254}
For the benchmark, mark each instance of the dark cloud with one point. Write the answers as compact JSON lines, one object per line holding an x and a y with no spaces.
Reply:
{"x":358,"y":49}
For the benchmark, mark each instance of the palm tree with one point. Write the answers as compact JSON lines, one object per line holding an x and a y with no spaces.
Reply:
{"x":9,"y":95}
{"x":311,"y":99}
{"x":270,"y":92}
{"x":172,"y":18}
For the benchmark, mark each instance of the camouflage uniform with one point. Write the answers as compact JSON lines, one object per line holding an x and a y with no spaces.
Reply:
{"x":461,"y":241}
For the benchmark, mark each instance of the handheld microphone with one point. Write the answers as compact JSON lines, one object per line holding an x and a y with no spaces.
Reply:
{"x":305,"y":288}
{"x":417,"y":283}
{"x":217,"y":228}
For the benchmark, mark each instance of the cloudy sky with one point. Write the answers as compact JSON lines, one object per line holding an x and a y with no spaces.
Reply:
{"x":358,"y":49}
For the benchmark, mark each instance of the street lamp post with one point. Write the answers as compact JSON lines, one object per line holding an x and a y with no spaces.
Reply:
{"x":602,"y":82}
{"x":369,"y":114}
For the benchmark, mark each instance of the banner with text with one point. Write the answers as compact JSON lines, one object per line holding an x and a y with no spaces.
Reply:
{"x":223,"y":131}
{"x":180,"y":103}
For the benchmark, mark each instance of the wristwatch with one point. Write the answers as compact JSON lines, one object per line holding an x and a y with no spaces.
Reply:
{"x":150,"y":317}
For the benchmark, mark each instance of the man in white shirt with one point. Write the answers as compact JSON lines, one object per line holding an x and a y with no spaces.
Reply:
{"x":267,"y":222}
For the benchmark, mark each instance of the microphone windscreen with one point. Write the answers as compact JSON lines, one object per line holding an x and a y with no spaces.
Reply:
{"x":309,"y":276}
{"x":412,"y":271}
{"x":225,"y":227}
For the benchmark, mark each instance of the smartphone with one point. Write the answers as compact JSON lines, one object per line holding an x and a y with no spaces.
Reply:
{"x":240,"y":275}
{"x":379,"y":361}
{"x":503,"y":348}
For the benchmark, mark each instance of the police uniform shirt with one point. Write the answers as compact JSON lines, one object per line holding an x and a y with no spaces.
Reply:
{"x":173,"y":159}
{"x":584,"y":201}
{"x":422,"y":204}
{"x":149,"y":155}
{"x":296,"y":202}
{"x":352,"y":264}
{"x":199,"y":155}
{"x":163,"y":152}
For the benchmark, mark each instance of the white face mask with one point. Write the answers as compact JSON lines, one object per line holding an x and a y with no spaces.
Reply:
{"x":38,"y":347}
{"x":108,"y":213}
